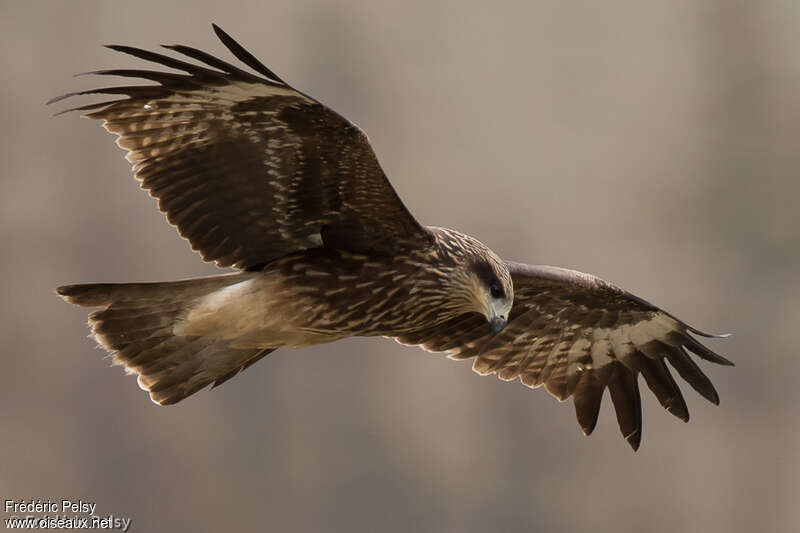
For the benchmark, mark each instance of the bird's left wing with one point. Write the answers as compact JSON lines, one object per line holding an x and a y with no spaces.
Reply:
{"x":247,"y":168}
{"x":578,"y":335}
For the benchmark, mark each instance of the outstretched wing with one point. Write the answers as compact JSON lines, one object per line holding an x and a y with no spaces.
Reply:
{"x":247,"y":168}
{"x":578,"y":335}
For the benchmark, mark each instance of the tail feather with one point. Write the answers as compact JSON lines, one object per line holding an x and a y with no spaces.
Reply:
{"x":141,"y":295}
{"x":136,"y":325}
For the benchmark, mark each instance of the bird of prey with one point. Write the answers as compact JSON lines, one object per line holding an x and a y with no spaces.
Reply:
{"x":261,"y":177}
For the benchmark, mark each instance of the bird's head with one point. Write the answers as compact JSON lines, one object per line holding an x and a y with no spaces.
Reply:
{"x":492,"y":290}
{"x":479,"y":281}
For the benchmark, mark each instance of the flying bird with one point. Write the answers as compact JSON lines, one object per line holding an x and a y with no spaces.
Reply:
{"x":261,"y":177}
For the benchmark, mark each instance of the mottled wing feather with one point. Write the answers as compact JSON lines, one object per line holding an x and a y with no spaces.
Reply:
{"x":247,"y":168}
{"x":578,"y":335}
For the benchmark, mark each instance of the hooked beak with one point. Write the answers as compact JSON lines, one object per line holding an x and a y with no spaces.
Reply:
{"x":497,"y":324}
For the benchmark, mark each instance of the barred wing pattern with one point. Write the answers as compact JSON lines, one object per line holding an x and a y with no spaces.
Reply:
{"x":578,"y":335}
{"x":247,"y":168}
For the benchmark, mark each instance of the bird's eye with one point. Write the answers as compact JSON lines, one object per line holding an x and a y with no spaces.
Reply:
{"x":496,"y":290}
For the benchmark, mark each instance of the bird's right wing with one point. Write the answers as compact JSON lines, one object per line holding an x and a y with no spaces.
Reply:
{"x":578,"y":335}
{"x":247,"y":168}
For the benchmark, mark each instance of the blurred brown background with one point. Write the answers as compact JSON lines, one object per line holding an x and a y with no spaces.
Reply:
{"x":652,"y":143}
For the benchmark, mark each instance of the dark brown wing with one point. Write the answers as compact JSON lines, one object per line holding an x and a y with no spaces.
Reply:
{"x":247,"y":168}
{"x":578,"y":335}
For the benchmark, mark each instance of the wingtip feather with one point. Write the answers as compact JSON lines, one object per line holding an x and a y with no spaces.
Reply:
{"x":634,"y":439}
{"x":706,"y":334}
{"x":704,"y":352}
{"x":58,"y":98}
{"x":680,"y":411}
{"x":244,"y":56}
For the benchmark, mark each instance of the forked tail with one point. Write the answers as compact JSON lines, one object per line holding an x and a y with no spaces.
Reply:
{"x":136,"y":326}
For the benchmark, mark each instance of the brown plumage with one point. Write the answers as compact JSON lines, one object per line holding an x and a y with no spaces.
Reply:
{"x":264,"y":178}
